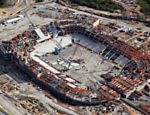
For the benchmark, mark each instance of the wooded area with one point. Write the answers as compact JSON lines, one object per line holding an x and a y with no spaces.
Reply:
{"x":145,"y":6}
{"x":99,"y":4}
{"x":2,"y":2}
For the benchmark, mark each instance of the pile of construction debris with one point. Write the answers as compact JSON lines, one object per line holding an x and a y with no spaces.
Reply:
{"x":7,"y":86}
{"x":32,"y":105}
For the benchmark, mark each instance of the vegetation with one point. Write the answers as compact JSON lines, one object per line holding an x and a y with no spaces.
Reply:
{"x":145,"y":6}
{"x":39,"y":0}
{"x":2,"y":111}
{"x":147,"y":24}
{"x":107,"y":5}
{"x":2,"y":2}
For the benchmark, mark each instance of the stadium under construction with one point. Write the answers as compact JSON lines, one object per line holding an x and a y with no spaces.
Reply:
{"x":76,"y":64}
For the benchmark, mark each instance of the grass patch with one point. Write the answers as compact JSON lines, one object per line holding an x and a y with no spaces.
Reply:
{"x":1,"y":110}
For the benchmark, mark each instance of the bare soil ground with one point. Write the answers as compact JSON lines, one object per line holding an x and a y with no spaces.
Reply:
{"x":12,"y":7}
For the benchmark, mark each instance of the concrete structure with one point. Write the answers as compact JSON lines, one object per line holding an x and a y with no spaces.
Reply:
{"x":58,"y":77}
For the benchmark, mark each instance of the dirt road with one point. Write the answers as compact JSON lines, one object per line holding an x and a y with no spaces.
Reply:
{"x":9,"y":11}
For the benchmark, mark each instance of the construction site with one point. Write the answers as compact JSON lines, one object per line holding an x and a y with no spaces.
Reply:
{"x":80,"y":60}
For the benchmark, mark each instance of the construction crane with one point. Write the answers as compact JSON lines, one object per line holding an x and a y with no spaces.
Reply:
{"x":75,"y":51}
{"x":72,"y":56}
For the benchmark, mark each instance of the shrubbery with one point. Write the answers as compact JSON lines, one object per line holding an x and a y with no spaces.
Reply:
{"x":39,"y":0}
{"x":145,"y":6}
{"x":2,"y":2}
{"x":99,"y":4}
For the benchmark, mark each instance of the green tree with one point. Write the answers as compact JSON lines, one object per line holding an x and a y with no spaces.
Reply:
{"x":2,"y":2}
{"x":99,"y":4}
{"x":39,"y":0}
{"x":145,"y":6}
